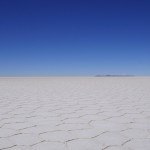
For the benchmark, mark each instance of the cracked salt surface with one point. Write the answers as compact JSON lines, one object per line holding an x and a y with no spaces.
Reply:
{"x":75,"y":113}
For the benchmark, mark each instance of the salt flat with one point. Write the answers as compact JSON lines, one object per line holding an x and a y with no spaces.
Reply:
{"x":75,"y":113}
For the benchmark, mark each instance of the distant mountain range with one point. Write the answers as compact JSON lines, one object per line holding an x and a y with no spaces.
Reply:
{"x":110,"y":75}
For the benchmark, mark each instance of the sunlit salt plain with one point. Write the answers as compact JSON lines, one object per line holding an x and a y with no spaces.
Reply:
{"x":75,"y":113}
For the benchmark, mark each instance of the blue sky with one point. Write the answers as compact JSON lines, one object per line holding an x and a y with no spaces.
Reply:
{"x":41,"y":37}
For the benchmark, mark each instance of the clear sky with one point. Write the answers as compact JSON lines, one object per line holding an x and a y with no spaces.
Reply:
{"x":74,"y":37}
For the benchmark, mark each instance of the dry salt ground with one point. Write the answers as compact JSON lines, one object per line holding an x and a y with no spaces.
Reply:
{"x":75,"y":113}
